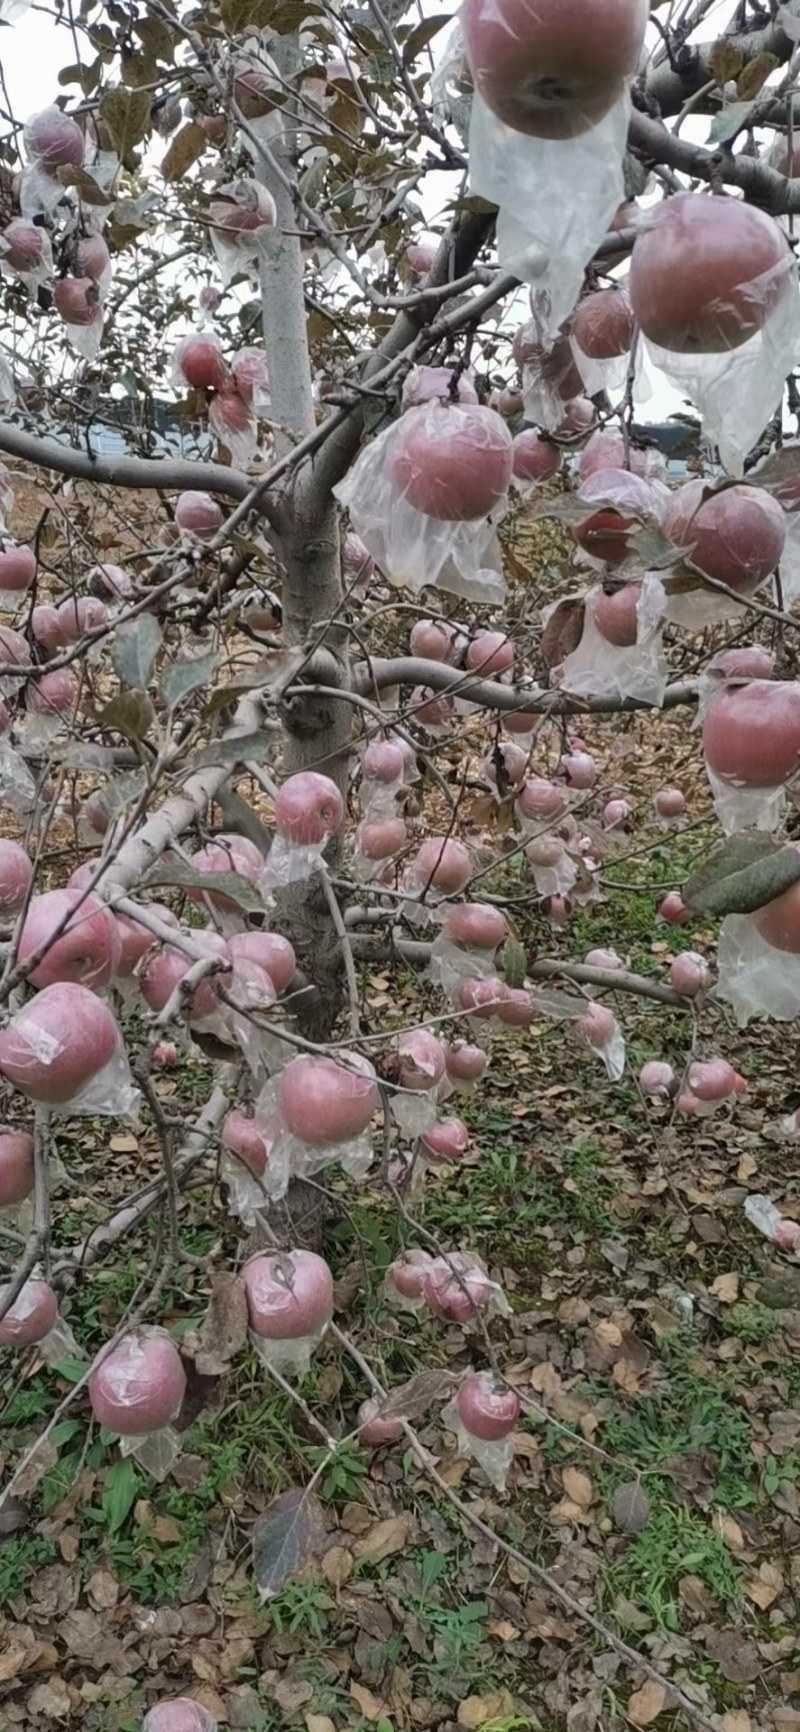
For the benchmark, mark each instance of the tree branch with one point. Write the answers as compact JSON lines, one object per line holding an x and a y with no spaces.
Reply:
{"x":760,"y":184}
{"x":440,"y":677}
{"x":145,"y":472}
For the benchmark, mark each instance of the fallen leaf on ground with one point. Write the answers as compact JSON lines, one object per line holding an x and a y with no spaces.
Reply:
{"x":646,"y":1704}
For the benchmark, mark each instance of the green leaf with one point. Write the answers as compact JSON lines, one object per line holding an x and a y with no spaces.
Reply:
{"x":238,"y":749}
{"x":741,"y":875}
{"x":134,"y":649}
{"x":72,"y":1370}
{"x":121,"y":1491}
{"x":725,"y":125}
{"x":184,"y":150}
{"x":514,"y":962}
{"x":126,"y":113}
{"x":422,"y":34}
{"x":285,"y":1539}
{"x":130,"y":713}
{"x":181,"y":678}
{"x":230,"y":884}
{"x":634,"y":175}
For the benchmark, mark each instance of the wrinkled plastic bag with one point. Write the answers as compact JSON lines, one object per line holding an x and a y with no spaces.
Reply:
{"x":754,"y":977}
{"x":737,"y":391}
{"x":601,"y":669}
{"x":741,"y":808}
{"x":762,"y":1214}
{"x":412,"y":548}
{"x":556,"y":199}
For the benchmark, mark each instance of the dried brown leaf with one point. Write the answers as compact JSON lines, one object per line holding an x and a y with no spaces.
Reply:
{"x":646,"y":1704}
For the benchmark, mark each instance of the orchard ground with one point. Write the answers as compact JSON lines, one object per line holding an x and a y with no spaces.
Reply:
{"x":654,"y":1337}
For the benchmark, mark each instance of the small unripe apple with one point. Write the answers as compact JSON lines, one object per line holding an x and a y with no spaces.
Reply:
{"x":673,"y":909}
{"x":656,"y":1078}
{"x":241,"y":1135}
{"x":670,"y":803}
{"x":138,"y":1385}
{"x":200,"y":360}
{"x":17,"y":567}
{"x":77,"y":300}
{"x":30,"y":1317}
{"x":452,"y":461}
{"x":444,"y":864}
{"x":375,"y":1430}
{"x":323,"y":1101}
{"x":487,"y":1408}
{"x":308,"y":809}
{"x":456,"y":1288}
{"x":16,"y":1167}
{"x":289,"y":1295}
{"x":476,"y":925}
{"x":689,"y":973}
{"x":272,"y":953}
{"x":54,"y":140}
{"x":16,"y":876}
{"x":57,"y":1043}
{"x":198,"y":514}
{"x":78,"y":935}
{"x":180,"y":1715}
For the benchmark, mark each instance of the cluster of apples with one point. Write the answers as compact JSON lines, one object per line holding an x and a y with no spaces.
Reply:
{"x":235,"y":394}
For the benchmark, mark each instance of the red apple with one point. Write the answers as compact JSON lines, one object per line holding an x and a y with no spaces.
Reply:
{"x":706,"y":273}
{"x":553,"y":70}
{"x":138,"y":1385}
{"x":289,"y":1295}
{"x":452,"y":462}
